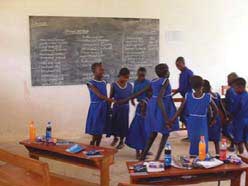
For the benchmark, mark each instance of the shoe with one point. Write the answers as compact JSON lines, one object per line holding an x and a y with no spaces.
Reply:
{"x":114,"y":142}
{"x":120,"y":146}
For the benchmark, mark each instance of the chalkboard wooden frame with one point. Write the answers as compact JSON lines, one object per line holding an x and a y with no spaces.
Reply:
{"x":62,"y":49}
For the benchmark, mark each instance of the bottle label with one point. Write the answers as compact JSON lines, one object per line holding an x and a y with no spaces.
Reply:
{"x":167,"y":161}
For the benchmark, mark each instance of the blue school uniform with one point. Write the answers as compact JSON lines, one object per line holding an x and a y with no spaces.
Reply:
{"x":197,"y":122}
{"x":97,"y":114}
{"x":214,"y":132}
{"x":184,"y":81}
{"x":137,"y":135}
{"x":120,"y":116}
{"x":240,"y":119}
{"x":231,"y":103}
{"x":154,"y":121}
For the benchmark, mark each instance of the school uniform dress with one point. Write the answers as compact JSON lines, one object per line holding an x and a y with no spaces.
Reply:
{"x":214,"y":132}
{"x":197,"y":122}
{"x":120,"y":116}
{"x":97,"y":114}
{"x":154,"y":121}
{"x":137,"y":135}
{"x":185,"y":87}
{"x":231,"y":103}
{"x":240,"y":119}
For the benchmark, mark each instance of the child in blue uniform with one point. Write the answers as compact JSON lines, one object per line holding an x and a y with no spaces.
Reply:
{"x":97,"y":114}
{"x":231,"y":100}
{"x":159,"y":109}
{"x":137,"y":136}
{"x":120,"y":90}
{"x":197,"y":105}
{"x":214,"y":131}
{"x":240,"y":116}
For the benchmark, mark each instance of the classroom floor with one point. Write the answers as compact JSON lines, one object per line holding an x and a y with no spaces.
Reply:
{"x":118,"y":170}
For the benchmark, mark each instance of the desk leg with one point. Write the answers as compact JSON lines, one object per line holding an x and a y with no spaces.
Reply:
{"x":104,"y":172}
{"x":33,"y":156}
{"x":236,"y":181}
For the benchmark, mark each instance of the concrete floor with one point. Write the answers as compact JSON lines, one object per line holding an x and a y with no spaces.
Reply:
{"x":118,"y":170}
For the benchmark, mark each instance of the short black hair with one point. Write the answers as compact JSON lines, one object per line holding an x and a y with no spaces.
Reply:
{"x":196,"y":82}
{"x":141,"y":69}
{"x":123,"y":72}
{"x":206,"y":85}
{"x":180,"y":59}
{"x":162,"y":69}
{"x":240,"y":82}
{"x":94,"y":66}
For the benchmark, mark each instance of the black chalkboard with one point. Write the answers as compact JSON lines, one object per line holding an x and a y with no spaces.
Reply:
{"x":63,"y":48}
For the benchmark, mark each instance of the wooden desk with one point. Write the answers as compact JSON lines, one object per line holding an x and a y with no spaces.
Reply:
{"x":57,"y":152}
{"x":174,"y":176}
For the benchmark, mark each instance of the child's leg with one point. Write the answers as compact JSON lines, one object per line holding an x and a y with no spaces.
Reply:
{"x":98,"y":140}
{"x":138,"y":154}
{"x":246,"y":146}
{"x":115,"y":141}
{"x":240,"y":147}
{"x":148,"y":145}
{"x":161,"y":146}
{"x":217,"y":147}
{"x":93,"y":141}
{"x":121,"y":143}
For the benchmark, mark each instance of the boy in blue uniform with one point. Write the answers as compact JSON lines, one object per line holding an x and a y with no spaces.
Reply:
{"x":231,"y":100}
{"x":240,"y":116}
{"x":97,"y":114}
{"x":197,"y":104}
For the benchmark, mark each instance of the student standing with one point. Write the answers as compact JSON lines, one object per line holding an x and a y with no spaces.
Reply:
{"x":214,"y":131}
{"x":231,"y":101}
{"x":120,"y":90}
{"x":240,"y":116}
{"x":97,"y":114}
{"x":197,"y":105}
{"x":159,"y":109}
{"x":137,"y":135}
{"x":184,"y":84}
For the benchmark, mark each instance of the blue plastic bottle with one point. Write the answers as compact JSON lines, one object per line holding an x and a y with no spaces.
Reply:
{"x":167,"y":156}
{"x":49,"y":131}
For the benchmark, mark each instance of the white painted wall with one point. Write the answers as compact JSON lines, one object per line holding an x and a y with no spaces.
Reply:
{"x":211,"y":34}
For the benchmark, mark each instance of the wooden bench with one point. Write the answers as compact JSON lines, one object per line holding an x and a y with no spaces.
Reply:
{"x":16,"y":170}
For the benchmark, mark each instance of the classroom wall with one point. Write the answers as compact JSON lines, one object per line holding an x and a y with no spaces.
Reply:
{"x":211,"y":34}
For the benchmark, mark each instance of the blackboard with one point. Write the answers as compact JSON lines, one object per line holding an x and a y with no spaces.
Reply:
{"x":63,"y":48}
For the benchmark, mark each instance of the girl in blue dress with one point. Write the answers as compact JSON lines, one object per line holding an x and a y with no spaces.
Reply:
{"x":97,"y":114}
{"x":137,"y":135}
{"x":214,"y":131}
{"x":159,"y":109}
{"x":197,"y":104}
{"x":120,"y":90}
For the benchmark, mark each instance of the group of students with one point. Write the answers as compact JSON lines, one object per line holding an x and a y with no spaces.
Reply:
{"x":202,"y":110}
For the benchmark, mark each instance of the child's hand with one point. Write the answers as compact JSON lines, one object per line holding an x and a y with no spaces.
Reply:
{"x":122,"y":101}
{"x":110,"y":100}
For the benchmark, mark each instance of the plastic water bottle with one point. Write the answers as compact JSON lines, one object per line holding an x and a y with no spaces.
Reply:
{"x":223,"y":150}
{"x":32,"y":132}
{"x":167,"y":155}
{"x":49,"y":131}
{"x":202,"y":149}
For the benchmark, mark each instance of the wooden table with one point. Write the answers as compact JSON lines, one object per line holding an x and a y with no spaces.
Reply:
{"x":57,"y":152}
{"x":175,"y":176}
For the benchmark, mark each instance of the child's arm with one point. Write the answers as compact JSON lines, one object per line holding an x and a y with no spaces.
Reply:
{"x":161,"y":103}
{"x":215,"y":112}
{"x":98,"y":93}
{"x":178,"y":113}
{"x":134,"y":95}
